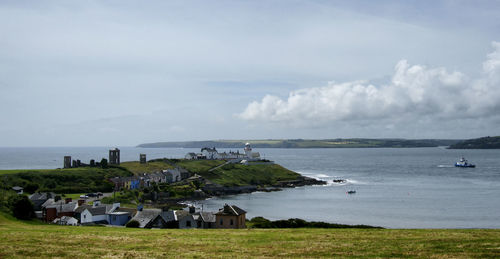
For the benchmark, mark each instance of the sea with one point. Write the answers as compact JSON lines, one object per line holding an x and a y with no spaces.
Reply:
{"x":395,"y":187}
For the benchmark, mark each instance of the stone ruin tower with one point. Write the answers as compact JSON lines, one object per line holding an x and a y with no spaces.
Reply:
{"x":114,"y":156}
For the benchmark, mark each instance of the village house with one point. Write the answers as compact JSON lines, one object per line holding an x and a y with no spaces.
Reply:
{"x":95,"y":213}
{"x":57,"y":209}
{"x":39,"y":198}
{"x":146,"y":218}
{"x":120,"y":216}
{"x":198,"y":220}
{"x":172,"y":175}
{"x":230,"y":217}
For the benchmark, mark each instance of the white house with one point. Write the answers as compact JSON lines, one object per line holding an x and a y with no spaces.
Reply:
{"x":97,"y":212}
{"x":210,"y":153}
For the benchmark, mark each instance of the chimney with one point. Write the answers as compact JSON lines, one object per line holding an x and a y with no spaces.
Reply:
{"x":68,"y":200}
{"x":192,"y":209}
{"x":81,"y":202}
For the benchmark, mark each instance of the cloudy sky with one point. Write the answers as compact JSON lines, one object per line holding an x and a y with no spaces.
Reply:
{"x":99,"y":73}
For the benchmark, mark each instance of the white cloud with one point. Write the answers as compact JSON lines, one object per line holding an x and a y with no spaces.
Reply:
{"x":414,"y":93}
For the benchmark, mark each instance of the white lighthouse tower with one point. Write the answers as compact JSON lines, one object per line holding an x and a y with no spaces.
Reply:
{"x":248,"y":150}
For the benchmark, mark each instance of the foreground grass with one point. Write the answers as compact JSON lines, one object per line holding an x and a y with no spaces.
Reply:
{"x":22,"y":240}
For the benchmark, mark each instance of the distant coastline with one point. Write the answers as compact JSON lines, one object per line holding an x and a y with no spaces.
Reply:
{"x":478,"y":143}
{"x":308,"y":143}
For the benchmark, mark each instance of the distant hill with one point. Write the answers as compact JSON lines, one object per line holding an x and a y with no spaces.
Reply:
{"x":308,"y":143}
{"x":478,"y":143}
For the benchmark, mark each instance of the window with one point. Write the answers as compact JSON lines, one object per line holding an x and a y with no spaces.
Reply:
{"x":231,"y":222}
{"x":221,"y":222}
{"x":84,"y":216}
{"x":188,"y":223}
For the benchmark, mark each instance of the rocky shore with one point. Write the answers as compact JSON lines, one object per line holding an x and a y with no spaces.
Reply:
{"x":218,"y":190}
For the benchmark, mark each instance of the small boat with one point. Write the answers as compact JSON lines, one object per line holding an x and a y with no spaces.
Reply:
{"x":464,"y":163}
{"x":351,"y":192}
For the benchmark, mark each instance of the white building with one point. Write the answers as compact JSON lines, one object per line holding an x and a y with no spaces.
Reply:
{"x":210,"y":153}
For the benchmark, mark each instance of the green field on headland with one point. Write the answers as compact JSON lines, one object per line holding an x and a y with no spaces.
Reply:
{"x":22,"y":240}
{"x":478,"y":143}
{"x":93,"y":179}
{"x":308,"y":143}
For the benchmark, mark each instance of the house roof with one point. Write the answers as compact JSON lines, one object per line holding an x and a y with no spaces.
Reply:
{"x":231,"y":210}
{"x":99,"y":210}
{"x":68,"y":207}
{"x":207,"y":216}
{"x":129,"y":210}
{"x":145,"y":216}
{"x":83,"y":207}
{"x":179,"y":214}
{"x":41,"y":195}
{"x":17,"y":188}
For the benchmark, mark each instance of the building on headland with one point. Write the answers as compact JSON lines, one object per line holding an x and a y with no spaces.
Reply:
{"x":114,"y":156}
{"x":213,"y":154}
{"x":142,"y":158}
{"x":67,"y":161}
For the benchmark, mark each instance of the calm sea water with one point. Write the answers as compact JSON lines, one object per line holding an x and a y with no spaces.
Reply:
{"x":395,"y":188}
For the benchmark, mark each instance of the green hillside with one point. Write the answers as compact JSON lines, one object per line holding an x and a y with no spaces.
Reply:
{"x":72,"y":180}
{"x":22,"y":240}
{"x":478,"y":143}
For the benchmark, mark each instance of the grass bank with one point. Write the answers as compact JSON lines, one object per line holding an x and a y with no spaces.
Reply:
{"x":72,"y":180}
{"x":20,"y":240}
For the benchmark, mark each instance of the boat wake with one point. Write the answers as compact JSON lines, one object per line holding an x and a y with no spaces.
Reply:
{"x":445,"y":166}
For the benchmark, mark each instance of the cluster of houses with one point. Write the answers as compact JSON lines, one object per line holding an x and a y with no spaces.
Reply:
{"x":51,"y":208}
{"x":146,"y":180}
{"x":213,"y":154}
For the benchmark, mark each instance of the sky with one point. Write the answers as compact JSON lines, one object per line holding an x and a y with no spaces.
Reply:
{"x":122,"y":73}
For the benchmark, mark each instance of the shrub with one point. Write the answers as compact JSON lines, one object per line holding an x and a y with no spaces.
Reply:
{"x":22,"y":208}
{"x":31,"y":187}
{"x":133,"y":224}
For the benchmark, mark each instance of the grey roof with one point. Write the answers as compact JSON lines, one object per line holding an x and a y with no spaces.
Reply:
{"x":145,"y":216}
{"x":68,"y":207}
{"x":41,"y":195}
{"x":207,"y":216}
{"x":231,"y":210}
{"x":17,"y":188}
{"x":99,"y":210}
{"x":179,"y":214}
{"x":83,"y":207}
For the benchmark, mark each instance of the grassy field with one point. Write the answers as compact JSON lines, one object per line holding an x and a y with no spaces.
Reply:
{"x":238,"y":175}
{"x":22,"y":240}
{"x":150,"y":167}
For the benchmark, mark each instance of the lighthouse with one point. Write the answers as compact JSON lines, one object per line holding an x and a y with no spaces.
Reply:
{"x":248,"y":150}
